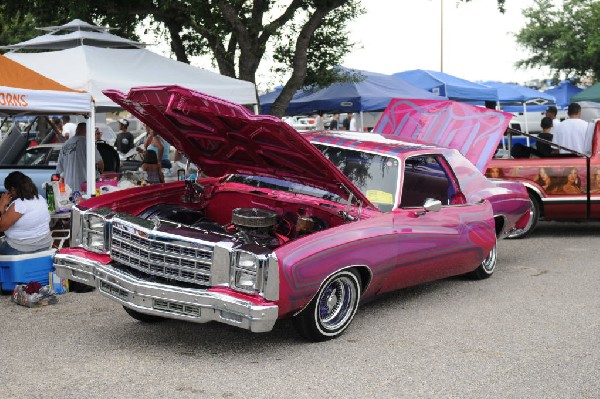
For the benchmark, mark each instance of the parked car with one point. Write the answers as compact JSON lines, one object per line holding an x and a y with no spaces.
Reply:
{"x":561,"y":186}
{"x":301,"y":123}
{"x":285,"y":225}
{"x":39,"y":163}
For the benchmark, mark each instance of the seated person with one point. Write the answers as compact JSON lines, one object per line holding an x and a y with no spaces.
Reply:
{"x":544,"y":149}
{"x":24,"y":219}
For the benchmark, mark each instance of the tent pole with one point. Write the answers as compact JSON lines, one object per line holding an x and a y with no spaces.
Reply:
{"x":503,"y":138}
{"x":90,"y":153}
{"x":526,"y":127}
{"x":362,"y":123}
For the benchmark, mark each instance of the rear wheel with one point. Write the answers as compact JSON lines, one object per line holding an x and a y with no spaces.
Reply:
{"x":331,"y":311}
{"x":487,"y":267}
{"x":145,"y":318}
{"x":534,"y":216}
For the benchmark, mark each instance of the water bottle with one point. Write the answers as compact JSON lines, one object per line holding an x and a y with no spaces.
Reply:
{"x":50,"y":198}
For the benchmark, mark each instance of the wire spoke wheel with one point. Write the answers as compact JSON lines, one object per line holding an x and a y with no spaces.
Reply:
{"x":487,"y":266}
{"x":332,"y":309}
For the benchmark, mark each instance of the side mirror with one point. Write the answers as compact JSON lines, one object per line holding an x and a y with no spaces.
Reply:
{"x":432,"y":205}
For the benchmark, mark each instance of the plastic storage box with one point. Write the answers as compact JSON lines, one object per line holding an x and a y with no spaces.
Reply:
{"x":21,"y":269}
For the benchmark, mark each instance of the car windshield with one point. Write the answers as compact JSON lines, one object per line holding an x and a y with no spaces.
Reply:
{"x":376,"y":176}
{"x":34,"y":156}
{"x":282,"y":185}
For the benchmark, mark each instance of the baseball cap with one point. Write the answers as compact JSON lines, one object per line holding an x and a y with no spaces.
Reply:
{"x":124,"y":122}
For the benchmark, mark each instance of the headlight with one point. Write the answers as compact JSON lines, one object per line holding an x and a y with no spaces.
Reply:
{"x":247,"y":261}
{"x":95,"y":223}
{"x":245,"y":271}
{"x":94,"y":232}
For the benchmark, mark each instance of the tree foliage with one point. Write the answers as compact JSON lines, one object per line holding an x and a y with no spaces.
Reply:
{"x":566,"y":38}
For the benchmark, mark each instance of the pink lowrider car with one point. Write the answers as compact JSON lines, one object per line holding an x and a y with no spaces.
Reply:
{"x":287,"y":225}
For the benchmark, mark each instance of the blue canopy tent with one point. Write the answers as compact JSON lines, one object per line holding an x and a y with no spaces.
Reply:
{"x":371,"y":94}
{"x":509,"y":93}
{"x":563,"y":93}
{"x":449,"y":86}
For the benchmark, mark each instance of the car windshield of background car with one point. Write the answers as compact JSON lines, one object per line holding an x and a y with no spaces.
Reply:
{"x":376,"y":176}
{"x":34,"y":156}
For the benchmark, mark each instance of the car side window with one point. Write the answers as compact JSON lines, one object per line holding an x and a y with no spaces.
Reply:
{"x":425,"y":176}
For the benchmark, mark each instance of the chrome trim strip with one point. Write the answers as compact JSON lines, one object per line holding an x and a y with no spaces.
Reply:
{"x":76,"y":226}
{"x":189,"y":304}
{"x":271,"y":279}
{"x":577,"y":199}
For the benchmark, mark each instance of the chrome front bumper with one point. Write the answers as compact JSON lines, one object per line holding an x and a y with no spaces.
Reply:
{"x":189,"y":304}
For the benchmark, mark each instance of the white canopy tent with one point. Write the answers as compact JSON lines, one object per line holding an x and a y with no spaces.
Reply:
{"x":93,"y":60}
{"x":94,"y":69}
{"x":81,"y":33}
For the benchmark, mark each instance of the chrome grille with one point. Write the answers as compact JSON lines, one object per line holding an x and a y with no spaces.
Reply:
{"x":182,"y":261}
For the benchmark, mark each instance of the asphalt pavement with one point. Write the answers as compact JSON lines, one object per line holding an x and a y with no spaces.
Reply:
{"x":530,"y":331}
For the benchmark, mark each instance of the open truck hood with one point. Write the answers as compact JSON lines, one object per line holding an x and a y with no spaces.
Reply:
{"x":221,"y":138}
{"x":474,"y":131}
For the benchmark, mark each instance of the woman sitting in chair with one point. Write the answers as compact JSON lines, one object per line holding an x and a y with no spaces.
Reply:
{"x":24,"y":217}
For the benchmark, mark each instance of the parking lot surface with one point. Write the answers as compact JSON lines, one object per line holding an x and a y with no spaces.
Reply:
{"x":530,"y":331}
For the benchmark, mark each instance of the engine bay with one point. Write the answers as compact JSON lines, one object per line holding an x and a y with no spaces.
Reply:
{"x":248,"y":218}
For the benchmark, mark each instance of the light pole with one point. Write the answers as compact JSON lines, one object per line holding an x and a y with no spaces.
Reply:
{"x":441,"y":35}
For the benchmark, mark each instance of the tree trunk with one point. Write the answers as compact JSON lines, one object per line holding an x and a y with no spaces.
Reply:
{"x":300,"y":57}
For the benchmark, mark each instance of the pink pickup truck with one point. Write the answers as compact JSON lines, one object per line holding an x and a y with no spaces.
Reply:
{"x":561,"y":187}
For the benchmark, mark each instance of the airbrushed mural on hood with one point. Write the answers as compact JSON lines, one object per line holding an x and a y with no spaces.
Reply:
{"x":474,"y":131}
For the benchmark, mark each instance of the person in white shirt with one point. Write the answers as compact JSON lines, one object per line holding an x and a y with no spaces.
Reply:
{"x":319,"y":123}
{"x":572,"y":132}
{"x":24,"y":217}
{"x":69,"y":127}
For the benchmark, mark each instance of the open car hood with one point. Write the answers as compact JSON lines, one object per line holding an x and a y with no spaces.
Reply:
{"x":474,"y":131}
{"x":221,"y":138}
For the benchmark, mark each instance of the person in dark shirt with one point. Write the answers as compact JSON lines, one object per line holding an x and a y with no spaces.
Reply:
{"x":333,"y":124}
{"x":346,"y":122}
{"x":545,"y":149}
{"x":124,"y":142}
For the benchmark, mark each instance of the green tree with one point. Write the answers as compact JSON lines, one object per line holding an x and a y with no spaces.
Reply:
{"x":566,"y":38}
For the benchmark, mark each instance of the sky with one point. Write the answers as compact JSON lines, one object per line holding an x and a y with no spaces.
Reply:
{"x":399,"y":35}
{"x":478,"y":40}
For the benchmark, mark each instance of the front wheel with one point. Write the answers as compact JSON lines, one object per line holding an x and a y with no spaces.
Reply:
{"x":331,"y":311}
{"x":144,"y":318}
{"x":487,"y":267}
{"x":534,"y":216}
